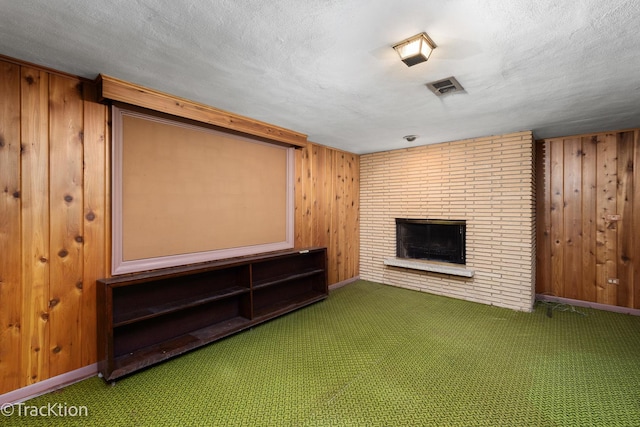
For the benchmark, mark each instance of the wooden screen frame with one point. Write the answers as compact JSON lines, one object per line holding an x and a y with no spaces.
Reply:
{"x":120,"y":265}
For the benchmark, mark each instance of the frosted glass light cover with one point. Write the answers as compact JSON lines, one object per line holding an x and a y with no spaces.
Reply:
{"x":415,"y":50}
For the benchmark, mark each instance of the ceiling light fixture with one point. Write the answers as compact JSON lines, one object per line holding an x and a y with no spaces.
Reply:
{"x":416,"y":49}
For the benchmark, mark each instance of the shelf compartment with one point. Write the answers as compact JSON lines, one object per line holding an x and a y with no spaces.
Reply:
{"x":132,"y":337}
{"x":160,"y":310}
{"x":148,"y":298}
{"x":292,"y":264}
{"x":155,"y":353}
{"x":284,"y":306}
{"x":291,"y":294}
{"x":285,"y":278}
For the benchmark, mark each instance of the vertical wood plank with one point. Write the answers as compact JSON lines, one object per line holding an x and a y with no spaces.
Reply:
{"x":572,"y":217}
{"x":557,"y":217}
{"x":319,"y":183}
{"x":300,"y":205}
{"x":10,"y":272}
{"x":543,"y":218}
{"x":66,"y":207}
{"x":107,"y":196}
{"x":606,"y":259}
{"x":348,"y":219}
{"x":340,"y":214}
{"x":327,"y":197}
{"x":94,"y":186}
{"x":341,"y":200}
{"x":589,"y":219}
{"x":307,"y":196}
{"x":353,"y":232}
{"x":635,"y":222}
{"x":332,"y":205}
{"x":625,"y":237}
{"x":312,"y":191}
{"x":35,"y":224}
{"x":298,"y":216}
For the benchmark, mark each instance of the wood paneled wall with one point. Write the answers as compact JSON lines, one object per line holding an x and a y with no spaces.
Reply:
{"x":53,"y":207}
{"x":54,"y":219}
{"x":588,"y":218}
{"x":327,"y":211}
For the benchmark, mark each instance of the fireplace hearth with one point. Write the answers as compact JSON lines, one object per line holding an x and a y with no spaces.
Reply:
{"x":431,"y":239}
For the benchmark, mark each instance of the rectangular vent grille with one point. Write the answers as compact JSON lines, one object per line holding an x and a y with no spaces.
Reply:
{"x":445,"y":86}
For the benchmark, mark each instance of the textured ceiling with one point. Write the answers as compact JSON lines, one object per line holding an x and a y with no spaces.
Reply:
{"x":326,"y":67}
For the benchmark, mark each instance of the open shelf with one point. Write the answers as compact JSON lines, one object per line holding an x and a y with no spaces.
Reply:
{"x":148,"y":317}
{"x":145,"y":313}
{"x":287,"y":305}
{"x":285,"y":278}
{"x":155,"y":353}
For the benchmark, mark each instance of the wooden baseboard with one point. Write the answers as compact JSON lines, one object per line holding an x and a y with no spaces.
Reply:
{"x":595,"y":305}
{"x":49,"y":385}
{"x":343,"y":283}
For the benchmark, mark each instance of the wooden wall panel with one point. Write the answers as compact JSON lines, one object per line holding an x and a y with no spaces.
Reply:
{"x":328,"y":206}
{"x":340,"y":243}
{"x":332,"y":194}
{"x":44,"y":118}
{"x":557,"y":218}
{"x":624,"y":199}
{"x":587,"y":291}
{"x":34,"y":114}
{"x":319,"y":206}
{"x":543,"y":228}
{"x":352,"y":216}
{"x":55,"y":209}
{"x":572,"y":217}
{"x":606,"y":236}
{"x":66,"y":208}
{"x":635,"y":223}
{"x":95,"y":216}
{"x":589,"y":200}
{"x":10,"y":284}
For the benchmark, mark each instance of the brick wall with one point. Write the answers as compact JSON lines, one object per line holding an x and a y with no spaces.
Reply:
{"x":489,"y":182}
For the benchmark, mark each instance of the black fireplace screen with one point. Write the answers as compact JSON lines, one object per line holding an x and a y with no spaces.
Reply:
{"x":431,"y":239}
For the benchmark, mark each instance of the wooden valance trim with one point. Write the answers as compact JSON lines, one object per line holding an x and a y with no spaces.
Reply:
{"x":118,"y":90}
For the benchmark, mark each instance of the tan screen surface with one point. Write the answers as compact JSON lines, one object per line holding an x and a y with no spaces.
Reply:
{"x":187,"y":190}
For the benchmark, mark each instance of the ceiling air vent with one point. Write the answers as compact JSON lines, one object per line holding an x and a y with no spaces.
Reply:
{"x":445,"y":86}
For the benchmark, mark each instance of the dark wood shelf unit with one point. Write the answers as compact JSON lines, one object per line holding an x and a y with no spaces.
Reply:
{"x":145,"y":318}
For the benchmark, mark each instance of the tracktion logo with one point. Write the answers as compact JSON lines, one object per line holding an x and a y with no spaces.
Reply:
{"x":48,"y":410}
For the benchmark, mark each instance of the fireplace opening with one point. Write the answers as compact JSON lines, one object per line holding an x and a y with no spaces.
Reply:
{"x":431,"y":239}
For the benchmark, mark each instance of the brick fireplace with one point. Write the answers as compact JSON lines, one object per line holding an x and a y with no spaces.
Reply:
{"x":486,"y":182}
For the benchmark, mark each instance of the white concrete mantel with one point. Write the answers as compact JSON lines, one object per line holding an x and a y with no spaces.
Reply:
{"x":431,"y":266}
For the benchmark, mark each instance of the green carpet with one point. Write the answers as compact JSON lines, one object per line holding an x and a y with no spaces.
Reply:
{"x":374,"y":355}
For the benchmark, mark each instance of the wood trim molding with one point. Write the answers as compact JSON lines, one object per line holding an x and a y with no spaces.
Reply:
{"x":343,"y":283}
{"x":114,"y":89}
{"x":49,"y":385}
{"x":588,"y":304}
